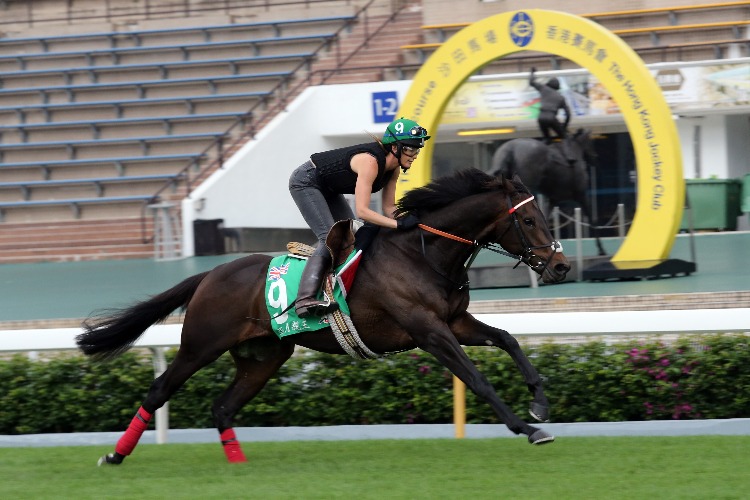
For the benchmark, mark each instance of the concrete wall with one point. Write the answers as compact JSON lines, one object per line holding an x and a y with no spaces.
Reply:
{"x":737,"y":140}
{"x":253,"y":189}
{"x":723,"y":147}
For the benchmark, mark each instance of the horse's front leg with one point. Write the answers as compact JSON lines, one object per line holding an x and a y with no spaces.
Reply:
{"x":469,"y":331}
{"x":434,"y":336}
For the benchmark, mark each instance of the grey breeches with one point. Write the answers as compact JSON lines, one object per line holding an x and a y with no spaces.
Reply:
{"x":320,"y":209}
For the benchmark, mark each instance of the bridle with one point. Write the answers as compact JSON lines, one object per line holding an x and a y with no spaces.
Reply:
{"x":528,"y":256}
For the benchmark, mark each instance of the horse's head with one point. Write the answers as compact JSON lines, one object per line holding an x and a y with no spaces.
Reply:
{"x":527,"y":235}
{"x":582,"y":137}
{"x":475,"y":208}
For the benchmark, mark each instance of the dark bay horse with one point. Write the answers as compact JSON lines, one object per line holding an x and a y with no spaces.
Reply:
{"x":544,"y":169}
{"x":410,"y":293}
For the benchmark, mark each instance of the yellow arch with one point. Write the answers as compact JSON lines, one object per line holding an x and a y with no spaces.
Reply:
{"x":661,"y":188}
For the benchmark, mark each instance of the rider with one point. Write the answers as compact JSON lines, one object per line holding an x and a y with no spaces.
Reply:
{"x":551,"y":102}
{"x":318,"y":187}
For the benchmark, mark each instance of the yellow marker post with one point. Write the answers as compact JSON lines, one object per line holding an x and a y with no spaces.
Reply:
{"x":459,"y":407}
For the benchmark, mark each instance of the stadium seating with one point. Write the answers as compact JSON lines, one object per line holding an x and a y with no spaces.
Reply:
{"x":137,"y":37}
{"x":73,"y":147}
{"x":141,"y":87}
{"x":692,"y":32}
{"x":94,"y":127}
{"x":147,"y":102}
{"x":119,"y":163}
{"x":97,"y":183}
{"x":132,"y":93}
{"x":180,"y":51}
{"x":658,"y":35}
{"x":75,"y":203}
{"x":162,"y":69}
{"x":118,"y":107}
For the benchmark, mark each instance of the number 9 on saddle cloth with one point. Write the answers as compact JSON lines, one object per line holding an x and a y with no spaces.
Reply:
{"x":347,"y":240}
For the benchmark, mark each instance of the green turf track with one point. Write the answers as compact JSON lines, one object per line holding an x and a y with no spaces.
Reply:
{"x":711,"y":467}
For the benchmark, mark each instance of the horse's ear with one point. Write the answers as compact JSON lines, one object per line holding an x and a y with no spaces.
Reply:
{"x":517,"y":180}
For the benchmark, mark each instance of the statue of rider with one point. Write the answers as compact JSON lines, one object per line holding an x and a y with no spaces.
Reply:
{"x":551,"y":102}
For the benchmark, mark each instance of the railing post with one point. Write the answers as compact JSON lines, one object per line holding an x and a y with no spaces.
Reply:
{"x":220,"y":151}
{"x":532,"y":278}
{"x":621,"y":220}
{"x":579,"y":244}
{"x":166,"y":232}
{"x":162,"y":414}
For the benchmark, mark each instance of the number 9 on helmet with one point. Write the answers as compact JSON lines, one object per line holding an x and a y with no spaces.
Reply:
{"x":405,"y":131}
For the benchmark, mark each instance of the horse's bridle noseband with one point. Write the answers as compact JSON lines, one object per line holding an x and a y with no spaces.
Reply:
{"x":527,"y":257}
{"x":528,"y":253}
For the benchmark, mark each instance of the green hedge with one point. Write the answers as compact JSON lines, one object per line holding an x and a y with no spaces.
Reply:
{"x":692,"y":378}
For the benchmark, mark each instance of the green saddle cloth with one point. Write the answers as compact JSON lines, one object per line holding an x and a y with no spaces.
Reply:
{"x":282,"y":285}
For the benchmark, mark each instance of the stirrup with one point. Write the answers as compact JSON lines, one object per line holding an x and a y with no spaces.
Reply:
{"x":315,"y":308}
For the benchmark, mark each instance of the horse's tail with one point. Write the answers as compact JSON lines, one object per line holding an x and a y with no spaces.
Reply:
{"x":114,"y":332}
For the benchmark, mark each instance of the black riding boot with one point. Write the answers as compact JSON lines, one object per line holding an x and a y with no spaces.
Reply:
{"x":312,"y":277}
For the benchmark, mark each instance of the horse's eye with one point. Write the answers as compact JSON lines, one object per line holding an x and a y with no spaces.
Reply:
{"x":529,"y":221}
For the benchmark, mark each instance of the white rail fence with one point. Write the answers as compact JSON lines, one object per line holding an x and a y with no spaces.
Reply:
{"x":609,"y":324}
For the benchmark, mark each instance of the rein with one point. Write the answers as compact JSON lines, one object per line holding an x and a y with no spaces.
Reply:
{"x":446,"y":235}
{"x":494,"y":247}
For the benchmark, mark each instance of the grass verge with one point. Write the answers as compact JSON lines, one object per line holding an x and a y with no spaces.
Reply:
{"x":712,"y":467}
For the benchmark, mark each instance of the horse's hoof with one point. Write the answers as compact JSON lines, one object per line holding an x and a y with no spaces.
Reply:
{"x":110,"y":459}
{"x":539,"y":412}
{"x":541,"y":437}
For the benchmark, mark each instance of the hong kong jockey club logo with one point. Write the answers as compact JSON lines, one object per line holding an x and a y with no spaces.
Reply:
{"x":276,"y":271}
{"x":521,"y":29}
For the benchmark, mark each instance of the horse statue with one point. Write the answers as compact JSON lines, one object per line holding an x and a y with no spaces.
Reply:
{"x":545,"y":170}
{"x":410,"y":292}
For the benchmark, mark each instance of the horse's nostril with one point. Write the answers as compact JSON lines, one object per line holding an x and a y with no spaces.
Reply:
{"x":562,"y":268}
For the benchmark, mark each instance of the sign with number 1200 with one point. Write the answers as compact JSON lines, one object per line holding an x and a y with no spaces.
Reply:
{"x":384,"y":106}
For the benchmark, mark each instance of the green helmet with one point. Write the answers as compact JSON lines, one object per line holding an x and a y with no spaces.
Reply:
{"x":406,"y":132}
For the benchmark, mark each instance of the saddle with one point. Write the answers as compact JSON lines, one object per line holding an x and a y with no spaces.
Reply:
{"x":340,"y":242}
{"x":345,"y":238}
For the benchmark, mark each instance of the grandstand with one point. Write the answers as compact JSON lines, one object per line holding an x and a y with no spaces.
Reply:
{"x":107,"y":109}
{"x":658,"y":34}
{"x":100,"y":120}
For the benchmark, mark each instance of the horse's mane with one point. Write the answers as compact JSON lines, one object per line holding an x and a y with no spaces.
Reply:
{"x":445,"y":190}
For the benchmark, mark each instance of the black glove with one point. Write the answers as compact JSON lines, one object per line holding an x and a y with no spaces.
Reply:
{"x":407,"y":222}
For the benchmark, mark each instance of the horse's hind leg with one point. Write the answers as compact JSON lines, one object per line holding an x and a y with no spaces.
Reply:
{"x":256,"y":361}
{"x":186,"y":363}
{"x":471,"y":332}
